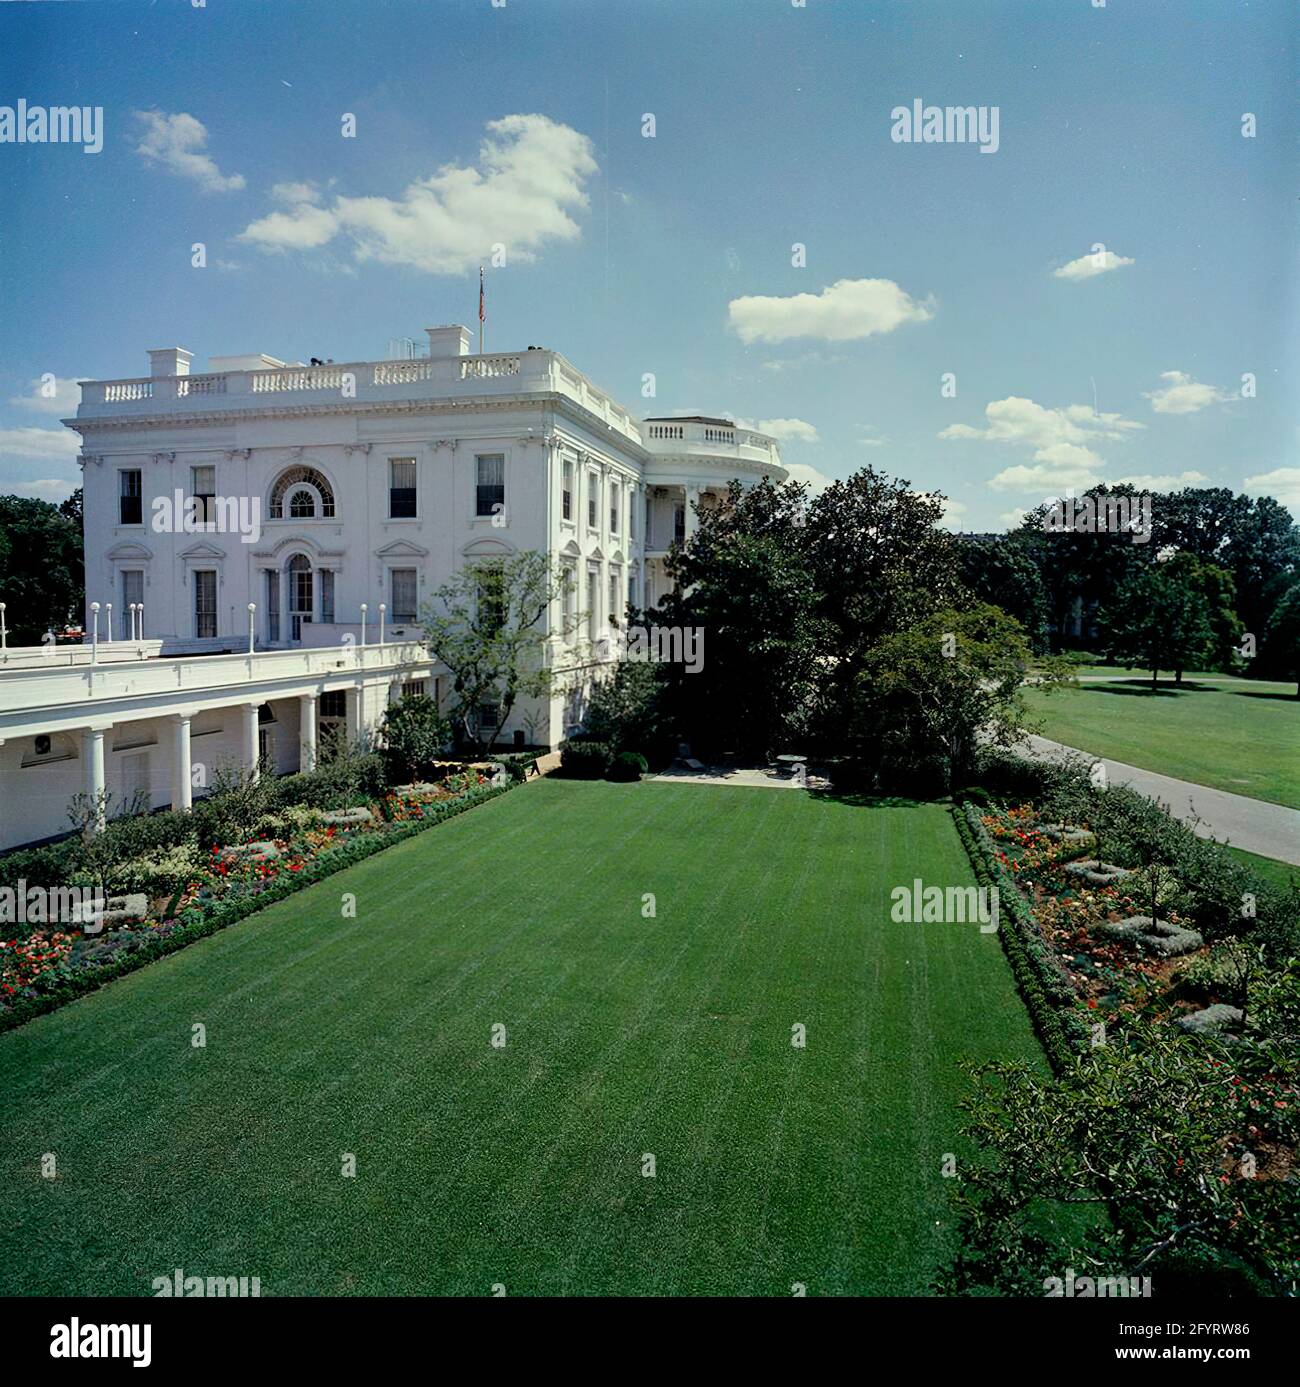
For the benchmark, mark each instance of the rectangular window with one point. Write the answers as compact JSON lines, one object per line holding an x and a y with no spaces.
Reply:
{"x":631,"y":513}
{"x":491,"y":601}
{"x":327,"y":594}
{"x":631,"y":591}
{"x":203,"y":488}
{"x":568,"y":488}
{"x":615,"y":496}
{"x":129,"y":505}
{"x":593,"y":601}
{"x":205,"y":603}
{"x":136,"y":798}
{"x":570,"y":599}
{"x":488,"y":715}
{"x":490,"y":498}
{"x":403,"y":594}
{"x":679,"y":524}
{"x":132,"y":596}
{"x":334,"y":703}
{"x":593,"y":499}
{"x":615,"y":586}
{"x":272,"y":606}
{"x":401,"y":488}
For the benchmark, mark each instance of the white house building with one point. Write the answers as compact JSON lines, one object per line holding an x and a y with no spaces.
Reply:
{"x":332,"y":500}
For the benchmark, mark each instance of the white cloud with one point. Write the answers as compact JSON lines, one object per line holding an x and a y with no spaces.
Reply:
{"x":1014,"y":518}
{"x":845,"y":311}
{"x":802,"y":472}
{"x":1062,"y":442}
{"x":869,"y":438}
{"x":177,"y":143}
{"x":786,"y":430}
{"x":529,"y":179}
{"x":1086,"y":266}
{"x":64,"y":399}
{"x":1183,"y":395}
{"x":47,"y":489}
{"x":1165,"y":482}
{"x":954,"y":512}
{"x":1282,"y":483}
{"x":39,"y":443}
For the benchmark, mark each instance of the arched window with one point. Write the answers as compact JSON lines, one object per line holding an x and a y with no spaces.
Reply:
{"x":298,"y":482}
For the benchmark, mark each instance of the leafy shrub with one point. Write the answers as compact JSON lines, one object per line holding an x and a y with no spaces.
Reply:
{"x":627,"y":766}
{"x":160,"y":872}
{"x":52,"y":865}
{"x":148,"y":833}
{"x":585,"y":760}
{"x":288,"y":821}
{"x":415,"y":734}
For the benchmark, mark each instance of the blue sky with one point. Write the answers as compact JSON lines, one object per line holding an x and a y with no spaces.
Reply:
{"x":1118,"y":125}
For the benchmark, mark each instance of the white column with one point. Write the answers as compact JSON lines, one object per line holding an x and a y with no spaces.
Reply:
{"x":251,"y":757}
{"x":692,"y":520}
{"x":307,"y":732}
{"x":92,"y":742}
{"x":182,"y":792}
{"x":354,"y":713}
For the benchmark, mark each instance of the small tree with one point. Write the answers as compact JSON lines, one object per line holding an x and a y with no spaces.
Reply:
{"x":414,"y":732}
{"x":487,"y":625}
{"x":89,"y":815}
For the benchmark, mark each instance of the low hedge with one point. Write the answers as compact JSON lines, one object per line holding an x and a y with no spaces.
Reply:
{"x":194,"y":924}
{"x":1046,"y":991}
{"x":627,"y":766}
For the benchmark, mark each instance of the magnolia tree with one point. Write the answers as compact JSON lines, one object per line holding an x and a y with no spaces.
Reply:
{"x":488,"y":626}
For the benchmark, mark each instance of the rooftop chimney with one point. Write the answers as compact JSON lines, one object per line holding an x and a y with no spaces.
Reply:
{"x":170,"y":361}
{"x":448,"y":341}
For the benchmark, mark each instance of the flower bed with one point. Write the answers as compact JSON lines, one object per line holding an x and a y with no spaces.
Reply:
{"x":47,"y":968}
{"x":1074,"y":975}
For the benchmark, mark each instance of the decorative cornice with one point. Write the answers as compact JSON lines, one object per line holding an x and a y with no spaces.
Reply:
{"x":543,"y":399}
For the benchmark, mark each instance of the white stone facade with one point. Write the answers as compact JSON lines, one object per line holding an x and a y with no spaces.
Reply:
{"x":345,"y":496}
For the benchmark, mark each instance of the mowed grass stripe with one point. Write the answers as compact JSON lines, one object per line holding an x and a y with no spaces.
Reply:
{"x":625,"y":1035}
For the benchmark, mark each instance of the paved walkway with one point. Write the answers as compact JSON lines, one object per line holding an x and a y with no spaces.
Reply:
{"x":1271,"y":830}
{"x":758,"y":777}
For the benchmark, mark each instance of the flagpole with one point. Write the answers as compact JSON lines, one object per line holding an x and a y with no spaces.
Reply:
{"x":482,"y":321}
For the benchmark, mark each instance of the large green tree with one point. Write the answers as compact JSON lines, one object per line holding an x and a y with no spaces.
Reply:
{"x":746,"y":584}
{"x":1157,"y":620}
{"x":42,"y":577}
{"x":928,"y":697}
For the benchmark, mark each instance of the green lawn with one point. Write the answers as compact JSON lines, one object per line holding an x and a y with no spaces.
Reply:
{"x":1242,"y":736}
{"x":1276,"y":873}
{"x":625,"y":1035}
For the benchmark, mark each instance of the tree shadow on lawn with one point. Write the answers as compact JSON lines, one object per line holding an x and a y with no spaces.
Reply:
{"x":1141,"y":688}
{"x":1259,"y":693}
{"x":861,"y":799}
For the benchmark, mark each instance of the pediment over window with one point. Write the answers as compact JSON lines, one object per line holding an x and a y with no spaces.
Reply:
{"x":127,"y":551}
{"x":202,"y":550}
{"x":292,"y":544}
{"x":487,"y":548}
{"x":401,"y":549}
